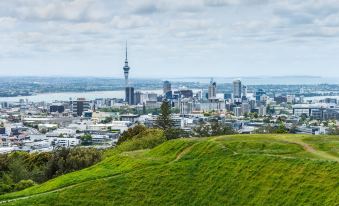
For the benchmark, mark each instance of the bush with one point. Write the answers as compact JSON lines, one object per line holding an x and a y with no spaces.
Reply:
{"x":145,"y":140}
{"x":23,"y":184}
{"x":131,"y":132}
{"x":20,"y":170}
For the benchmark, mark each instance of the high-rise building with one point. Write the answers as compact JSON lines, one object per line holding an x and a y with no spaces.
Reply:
{"x":167,"y":87}
{"x":129,"y":98}
{"x":237,"y":89}
{"x":212,"y":90}
{"x":258,"y":94}
{"x":80,"y":106}
{"x":126,"y":69}
{"x":244,"y":91}
{"x":137,"y":98}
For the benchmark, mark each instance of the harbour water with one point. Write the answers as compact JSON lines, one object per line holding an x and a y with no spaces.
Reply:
{"x":65,"y":96}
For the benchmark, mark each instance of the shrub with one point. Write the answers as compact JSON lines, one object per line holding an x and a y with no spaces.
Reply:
{"x":23,"y":184}
{"x":145,"y":140}
{"x":131,"y":132}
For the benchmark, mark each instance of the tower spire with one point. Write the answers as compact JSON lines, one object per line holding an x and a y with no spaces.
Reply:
{"x":126,"y":50}
{"x":126,"y":69}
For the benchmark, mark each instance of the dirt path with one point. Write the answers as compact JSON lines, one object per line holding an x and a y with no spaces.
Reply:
{"x":319,"y":153}
{"x":310,"y":149}
{"x":183,"y":152}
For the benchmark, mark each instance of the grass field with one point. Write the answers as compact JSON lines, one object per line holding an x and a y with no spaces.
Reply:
{"x":227,"y":170}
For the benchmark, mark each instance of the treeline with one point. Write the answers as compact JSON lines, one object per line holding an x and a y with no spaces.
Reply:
{"x":19,"y":170}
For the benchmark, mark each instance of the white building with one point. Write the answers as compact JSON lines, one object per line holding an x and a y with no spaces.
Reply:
{"x":66,"y":142}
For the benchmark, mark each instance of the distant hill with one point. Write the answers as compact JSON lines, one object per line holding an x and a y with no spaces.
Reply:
{"x":228,"y":170}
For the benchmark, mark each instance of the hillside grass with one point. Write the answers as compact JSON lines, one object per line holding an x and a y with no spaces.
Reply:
{"x":227,"y":170}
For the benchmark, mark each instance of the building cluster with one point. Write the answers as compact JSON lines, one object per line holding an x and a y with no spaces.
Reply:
{"x":41,"y":126}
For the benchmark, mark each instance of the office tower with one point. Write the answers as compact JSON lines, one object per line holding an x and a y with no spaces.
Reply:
{"x":80,"y":106}
{"x":137,"y":98}
{"x":244,"y":92}
{"x":167,"y":87}
{"x":212,"y":90}
{"x":4,"y":105}
{"x":246,"y":108}
{"x":258,"y":94}
{"x":126,"y":69}
{"x":129,"y":98}
{"x":237,"y":89}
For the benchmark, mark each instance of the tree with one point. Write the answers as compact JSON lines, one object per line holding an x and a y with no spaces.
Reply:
{"x":214,"y":128}
{"x":281,"y":129}
{"x":107,"y":120}
{"x":131,"y":132}
{"x":86,"y":139}
{"x":333,"y":130}
{"x":303,"y":118}
{"x":202,"y":130}
{"x":164,"y":120}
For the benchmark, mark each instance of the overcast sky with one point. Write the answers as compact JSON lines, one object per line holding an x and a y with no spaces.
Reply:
{"x":169,"y":38}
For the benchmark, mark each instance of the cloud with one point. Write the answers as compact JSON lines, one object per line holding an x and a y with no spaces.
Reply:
{"x":130,"y":22}
{"x":55,"y":10}
{"x":7,"y":22}
{"x":165,"y":28}
{"x":151,"y":7}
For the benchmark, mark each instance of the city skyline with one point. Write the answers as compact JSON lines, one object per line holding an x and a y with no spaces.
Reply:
{"x":214,"y":38}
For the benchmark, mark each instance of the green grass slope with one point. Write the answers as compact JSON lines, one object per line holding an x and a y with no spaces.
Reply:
{"x":227,"y":170}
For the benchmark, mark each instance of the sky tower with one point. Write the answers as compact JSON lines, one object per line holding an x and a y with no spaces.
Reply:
{"x":126,"y":69}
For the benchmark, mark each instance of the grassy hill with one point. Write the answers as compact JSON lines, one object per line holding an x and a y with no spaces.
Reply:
{"x":227,"y":170}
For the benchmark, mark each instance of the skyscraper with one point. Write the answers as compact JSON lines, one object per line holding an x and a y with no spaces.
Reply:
{"x":244,"y":92}
{"x":167,"y":87}
{"x":237,"y":89}
{"x":212,"y":90}
{"x":126,"y":69}
{"x":130,"y":95}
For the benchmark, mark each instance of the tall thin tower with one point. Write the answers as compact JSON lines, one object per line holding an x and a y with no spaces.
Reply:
{"x":126,"y":69}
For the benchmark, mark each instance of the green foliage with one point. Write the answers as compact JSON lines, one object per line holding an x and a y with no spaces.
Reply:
{"x":147,"y":139}
{"x":131,"y":132}
{"x":107,"y":120}
{"x":20,"y":170}
{"x":65,"y":160}
{"x":268,"y":129}
{"x":23,"y":184}
{"x":214,"y":128}
{"x":229,"y":170}
{"x":86,"y":139}
{"x":164,"y":120}
{"x":333,"y":130}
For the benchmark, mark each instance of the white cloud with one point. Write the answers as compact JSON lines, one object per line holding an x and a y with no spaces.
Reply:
{"x":204,"y":28}
{"x":130,"y":22}
{"x":7,"y":22}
